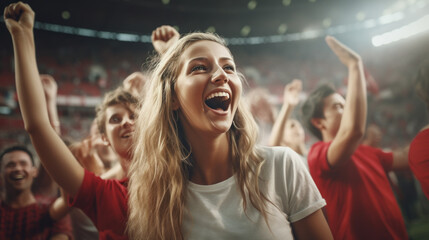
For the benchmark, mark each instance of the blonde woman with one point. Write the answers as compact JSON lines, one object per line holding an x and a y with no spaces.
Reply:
{"x":196,"y":172}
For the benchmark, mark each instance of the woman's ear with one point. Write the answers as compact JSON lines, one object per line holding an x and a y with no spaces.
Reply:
{"x":317,"y":123}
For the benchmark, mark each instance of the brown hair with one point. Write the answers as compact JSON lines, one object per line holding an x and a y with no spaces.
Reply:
{"x":313,"y":107}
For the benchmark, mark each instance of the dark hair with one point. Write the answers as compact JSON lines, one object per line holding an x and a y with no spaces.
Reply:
{"x":17,"y":148}
{"x":421,"y":82}
{"x":313,"y":107}
{"x":117,"y":96}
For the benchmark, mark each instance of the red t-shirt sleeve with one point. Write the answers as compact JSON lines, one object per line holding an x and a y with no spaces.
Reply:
{"x":418,"y":157}
{"x":386,"y":158}
{"x":317,"y":158}
{"x":85,"y":198}
{"x":105,"y":203}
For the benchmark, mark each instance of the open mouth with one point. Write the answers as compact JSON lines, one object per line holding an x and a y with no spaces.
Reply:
{"x":219,"y":100}
{"x":127,"y":135}
{"x":17,"y":177}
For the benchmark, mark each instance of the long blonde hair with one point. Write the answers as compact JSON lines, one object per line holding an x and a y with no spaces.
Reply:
{"x":160,"y":168}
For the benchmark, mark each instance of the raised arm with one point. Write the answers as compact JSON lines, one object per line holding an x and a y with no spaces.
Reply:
{"x":352,"y":126}
{"x":50,"y":88}
{"x":44,"y":184}
{"x":164,"y":37}
{"x":53,"y":153}
{"x":290,"y":100}
{"x":59,"y":207}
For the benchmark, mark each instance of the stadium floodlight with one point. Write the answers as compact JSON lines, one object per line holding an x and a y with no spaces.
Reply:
{"x":414,"y":28}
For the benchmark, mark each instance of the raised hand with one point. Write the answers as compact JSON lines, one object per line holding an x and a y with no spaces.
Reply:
{"x":86,"y":154}
{"x":18,"y":17}
{"x":291,"y":92}
{"x":164,"y":37}
{"x":347,"y":56}
{"x":135,"y":83}
{"x":49,"y":86}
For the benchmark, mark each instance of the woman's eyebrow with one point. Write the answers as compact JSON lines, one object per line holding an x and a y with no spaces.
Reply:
{"x":198,"y":59}
{"x":205,"y":59}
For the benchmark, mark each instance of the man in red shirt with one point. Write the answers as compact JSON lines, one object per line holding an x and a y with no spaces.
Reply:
{"x":21,"y":215}
{"x":350,"y":176}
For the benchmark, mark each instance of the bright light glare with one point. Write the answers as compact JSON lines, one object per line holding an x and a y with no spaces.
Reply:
{"x":406,"y":31}
{"x":391,"y":18}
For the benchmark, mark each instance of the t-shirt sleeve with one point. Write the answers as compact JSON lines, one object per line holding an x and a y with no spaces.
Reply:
{"x":303,"y":196}
{"x":386,"y":158}
{"x":96,"y":197}
{"x":318,"y":158}
{"x":418,"y":157}
{"x":85,"y":199}
{"x":63,"y":226}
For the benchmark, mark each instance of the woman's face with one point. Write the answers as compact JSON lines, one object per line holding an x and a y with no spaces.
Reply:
{"x":120,"y":128}
{"x":208,"y":89}
{"x":294,"y":133}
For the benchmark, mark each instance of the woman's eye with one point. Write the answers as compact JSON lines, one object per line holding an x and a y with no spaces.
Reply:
{"x":114,"y":119}
{"x":198,"y":68}
{"x":229,"y":68}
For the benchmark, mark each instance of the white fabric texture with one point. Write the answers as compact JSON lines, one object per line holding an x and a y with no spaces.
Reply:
{"x":216,"y":211}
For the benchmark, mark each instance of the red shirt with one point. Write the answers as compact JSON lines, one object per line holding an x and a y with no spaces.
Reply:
{"x":418,"y":157}
{"x":360,"y":200}
{"x":105,"y":203}
{"x":31,"y":222}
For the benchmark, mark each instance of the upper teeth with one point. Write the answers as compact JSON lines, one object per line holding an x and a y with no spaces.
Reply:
{"x":218,"y":94}
{"x":126,"y":135}
{"x":18,"y":176}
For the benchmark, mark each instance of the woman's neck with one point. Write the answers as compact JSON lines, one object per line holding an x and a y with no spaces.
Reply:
{"x":211,"y":160}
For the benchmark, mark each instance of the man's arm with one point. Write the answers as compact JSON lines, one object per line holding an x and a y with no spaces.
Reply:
{"x":400,"y":159}
{"x":352,"y":126}
{"x":59,"y":207}
{"x":53,"y":153}
{"x":290,"y":100}
{"x":44,"y":184}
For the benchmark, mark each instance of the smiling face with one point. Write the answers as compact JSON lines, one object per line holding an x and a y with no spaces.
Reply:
{"x":208,"y":88}
{"x":18,"y":171}
{"x":119,"y":125}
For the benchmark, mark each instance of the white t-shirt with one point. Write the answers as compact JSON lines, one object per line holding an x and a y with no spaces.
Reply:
{"x":216,"y":211}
